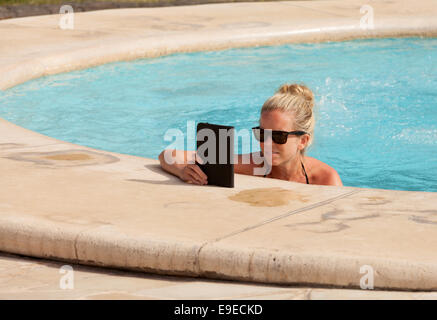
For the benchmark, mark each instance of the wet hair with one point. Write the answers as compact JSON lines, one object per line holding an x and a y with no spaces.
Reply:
{"x":299,"y":100}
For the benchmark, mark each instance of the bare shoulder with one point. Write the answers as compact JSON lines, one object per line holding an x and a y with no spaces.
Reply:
{"x":321,"y":173}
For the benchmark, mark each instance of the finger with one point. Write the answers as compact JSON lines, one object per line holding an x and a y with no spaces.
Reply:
{"x":200,"y":175}
{"x":199,"y":171}
{"x":195,"y":178}
{"x":193,"y":173}
{"x":186,"y":176}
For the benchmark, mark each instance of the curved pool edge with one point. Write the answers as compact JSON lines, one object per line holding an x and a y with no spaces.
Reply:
{"x":121,"y":211}
{"x":104,"y":36}
{"x":76,"y":210}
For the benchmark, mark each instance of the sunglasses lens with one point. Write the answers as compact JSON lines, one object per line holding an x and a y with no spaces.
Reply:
{"x":279,"y":137}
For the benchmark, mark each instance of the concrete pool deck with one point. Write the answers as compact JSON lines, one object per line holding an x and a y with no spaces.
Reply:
{"x":35,"y":46}
{"x":68,"y":202}
{"x":33,"y":278}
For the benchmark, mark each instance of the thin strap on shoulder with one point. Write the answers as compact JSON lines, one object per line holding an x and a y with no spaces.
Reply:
{"x":304,"y":171}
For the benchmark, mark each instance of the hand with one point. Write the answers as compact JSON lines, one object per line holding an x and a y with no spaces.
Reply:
{"x":192,"y":173}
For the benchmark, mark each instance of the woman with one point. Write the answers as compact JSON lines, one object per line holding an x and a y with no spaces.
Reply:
{"x":289,"y":115}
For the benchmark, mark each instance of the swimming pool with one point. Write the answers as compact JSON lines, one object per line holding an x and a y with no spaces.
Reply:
{"x":376,"y":103}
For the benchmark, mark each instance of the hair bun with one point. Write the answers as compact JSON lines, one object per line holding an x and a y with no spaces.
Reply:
{"x":298,"y":90}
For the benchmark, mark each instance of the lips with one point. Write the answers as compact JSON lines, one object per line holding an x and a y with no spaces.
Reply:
{"x":272,"y":153}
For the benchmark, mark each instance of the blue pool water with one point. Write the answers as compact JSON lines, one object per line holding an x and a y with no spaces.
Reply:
{"x":376,"y":103}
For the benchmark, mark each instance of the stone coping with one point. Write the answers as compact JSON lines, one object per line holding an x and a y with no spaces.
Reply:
{"x":68,"y":202}
{"x":40,"y":47}
{"x":24,"y":278}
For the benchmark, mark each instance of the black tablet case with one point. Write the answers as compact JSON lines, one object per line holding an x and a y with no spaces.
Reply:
{"x":218,"y":174}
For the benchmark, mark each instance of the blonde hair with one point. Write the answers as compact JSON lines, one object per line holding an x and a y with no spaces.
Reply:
{"x":299,"y":100}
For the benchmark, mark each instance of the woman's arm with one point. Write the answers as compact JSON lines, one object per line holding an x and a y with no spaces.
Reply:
{"x":184,"y":167}
{"x":181,"y":163}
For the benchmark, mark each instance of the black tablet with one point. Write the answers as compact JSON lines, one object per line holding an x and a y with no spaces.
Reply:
{"x":215,"y":148}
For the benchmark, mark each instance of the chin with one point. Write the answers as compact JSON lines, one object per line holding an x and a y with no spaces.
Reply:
{"x":273,"y":160}
{"x":276,"y":161}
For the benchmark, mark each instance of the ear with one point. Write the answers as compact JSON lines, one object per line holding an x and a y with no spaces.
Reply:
{"x":303,"y":141}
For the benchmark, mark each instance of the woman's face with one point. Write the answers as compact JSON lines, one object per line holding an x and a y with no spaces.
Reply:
{"x":280,"y":153}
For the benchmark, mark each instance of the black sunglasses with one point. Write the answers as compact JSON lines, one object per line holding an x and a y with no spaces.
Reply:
{"x":278,"y":137}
